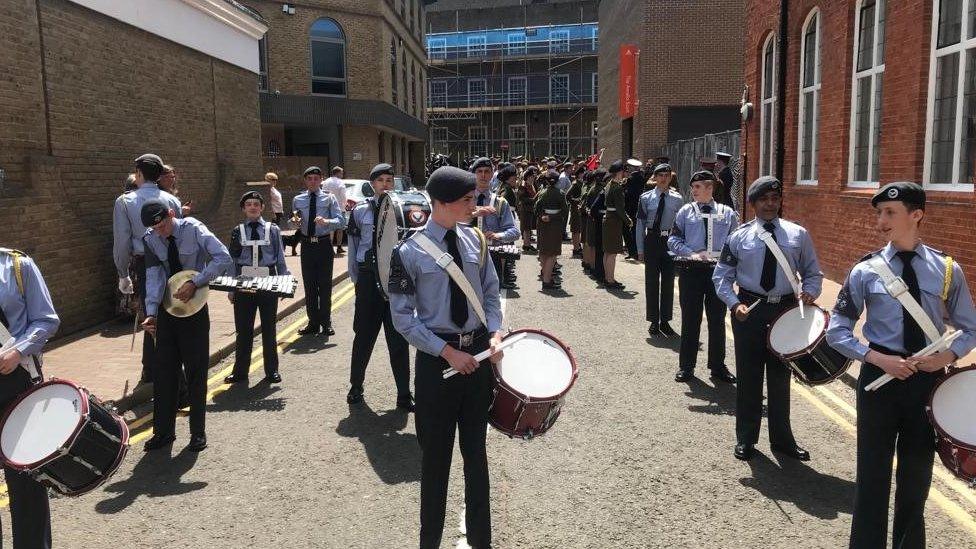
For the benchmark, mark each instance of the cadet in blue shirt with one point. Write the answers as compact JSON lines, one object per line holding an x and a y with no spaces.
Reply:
{"x":892,"y":420}
{"x":493,"y":214}
{"x":431,"y":311}
{"x":271,"y":255}
{"x":691,"y":241}
{"x":173,"y":245}
{"x":27,"y":314}
{"x":372,"y":310}
{"x":320,"y":216}
{"x":747,"y":262}
{"x":656,"y":212}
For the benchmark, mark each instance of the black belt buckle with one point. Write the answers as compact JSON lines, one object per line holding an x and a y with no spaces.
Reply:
{"x":465,"y":340}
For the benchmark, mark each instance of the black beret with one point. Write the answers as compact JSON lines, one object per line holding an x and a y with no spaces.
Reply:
{"x":912,"y":194}
{"x":663,"y":167}
{"x":702,"y":175}
{"x":249,"y":195}
{"x":153,"y":211}
{"x":553,"y":175}
{"x":762,"y":186}
{"x":149,"y":160}
{"x":617,"y":166}
{"x":480,"y":163}
{"x":448,"y":184}
{"x":507,"y":172}
{"x":312,"y":170}
{"x":531,"y":170}
{"x":663,"y":160}
{"x":380,"y":169}
{"x":599,"y":174}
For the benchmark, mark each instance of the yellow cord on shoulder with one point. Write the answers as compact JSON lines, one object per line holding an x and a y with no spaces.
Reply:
{"x":948,"y":278}
{"x":484,"y":246}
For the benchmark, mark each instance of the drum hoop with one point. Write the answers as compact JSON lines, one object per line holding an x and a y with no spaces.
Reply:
{"x":928,"y":410}
{"x":809,"y":347}
{"x":552,"y":398}
{"x":82,"y":420}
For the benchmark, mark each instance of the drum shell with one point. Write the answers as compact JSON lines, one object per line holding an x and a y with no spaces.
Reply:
{"x":958,"y":456}
{"x":816,"y":364}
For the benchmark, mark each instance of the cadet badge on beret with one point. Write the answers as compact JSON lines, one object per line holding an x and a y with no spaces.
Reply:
{"x":893,"y":192}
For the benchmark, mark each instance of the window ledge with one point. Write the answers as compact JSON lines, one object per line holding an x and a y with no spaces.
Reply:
{"x":808,"y":182}
{"x":949,"y":187}
{"x":863,"y":184}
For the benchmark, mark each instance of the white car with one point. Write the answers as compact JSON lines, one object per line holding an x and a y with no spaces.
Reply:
{"x":358,"y":190}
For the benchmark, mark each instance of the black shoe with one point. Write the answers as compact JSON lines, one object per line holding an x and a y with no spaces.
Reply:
{"x":667,"y":330}
{"x":309,"y":330}
{"x":157,"y":442}
{"x":330,"y":331}
{"x":653,"y":329}
{"x":615,"y":286}
{"x":743,"y":451}
{"x":405,"y":402}
{"x":683,"y":375}
{"x":507,"y":286}
{"x":274,"y":377}
{"x":551,"y":286}
{"x":197,"y":443}
{"x":723,"y":374}
{"x":794,"y":452}
{"x":355,"y":395}
{"x":234,"y":378}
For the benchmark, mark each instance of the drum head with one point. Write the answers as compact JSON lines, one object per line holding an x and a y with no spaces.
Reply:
{"x":791,"y":334}
{"x":953,"y":408}
{"x":387,"y":238}
{"x":41,"y":422}
{"x":538,"y":366}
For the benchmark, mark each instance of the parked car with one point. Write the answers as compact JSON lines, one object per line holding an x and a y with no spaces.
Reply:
{"x":358,"y":190}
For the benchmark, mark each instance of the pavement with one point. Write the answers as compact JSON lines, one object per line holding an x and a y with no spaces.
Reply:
{"x":634,"y":461}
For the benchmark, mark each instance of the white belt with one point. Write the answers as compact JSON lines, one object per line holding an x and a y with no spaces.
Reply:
{"x":611,"y":209}
{"x":551,"y":212}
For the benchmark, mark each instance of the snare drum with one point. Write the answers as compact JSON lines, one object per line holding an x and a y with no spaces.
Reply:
{"x":63,"y":436}
{"x":801,"y":343}
{"x":532,"y":379}
{"x":951,"y":410}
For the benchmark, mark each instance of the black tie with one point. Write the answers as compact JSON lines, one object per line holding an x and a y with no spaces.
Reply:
{"x":375,"y":204}
{"x":254,"y":236}
{"x":173,"y":256}
{"x":656,"y":228}
{"x":481,"y":200}
{"x":313,"y":199}
{"x":706,"y":209}
{"x":3,"y":320}
{"x":914,"y":339}
{"x":768,"y":280}
{"x":459,"y":304}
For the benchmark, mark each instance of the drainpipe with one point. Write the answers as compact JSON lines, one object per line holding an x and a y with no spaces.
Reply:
{"x":784,"y":10}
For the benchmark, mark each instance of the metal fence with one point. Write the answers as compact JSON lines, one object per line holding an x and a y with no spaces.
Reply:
{"x":686,"y":155}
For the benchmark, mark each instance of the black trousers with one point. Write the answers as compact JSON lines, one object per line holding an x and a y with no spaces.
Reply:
{"x":373,"y":312}
{"x":753,"y":359}
{"x":30,"y":511}
{"x":246,"y":307}
{"x":181,"y":342}
{"x":697,"y":293}
{"x":630,"y":238}
{"x":658,"y":279}
{"x":459,"y":403}
{"x":138,"y":268}
{"x":317,"y":260}
{"x":891,"y":421}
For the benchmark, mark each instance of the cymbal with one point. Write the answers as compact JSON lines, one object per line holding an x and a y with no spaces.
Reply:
{"x":178,"y":308}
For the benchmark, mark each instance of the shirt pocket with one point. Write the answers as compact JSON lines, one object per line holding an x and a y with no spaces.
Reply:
{"x":881,"y":303}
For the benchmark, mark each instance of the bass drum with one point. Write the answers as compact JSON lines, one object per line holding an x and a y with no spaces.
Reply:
{"x":951,"y":411}
{"x":401,"y":213}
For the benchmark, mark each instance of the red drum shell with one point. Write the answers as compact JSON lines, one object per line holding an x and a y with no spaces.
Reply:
{"x":958,"y":456}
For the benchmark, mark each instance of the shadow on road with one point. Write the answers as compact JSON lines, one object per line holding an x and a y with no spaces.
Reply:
{"x":664,"y":342}
{"x":815,"y":493}
{"x":719,"y":399}
{"x":156,"y":475}
{"x":395,"y":456}
{"x":622,"y":294}
{"x":307,"y":345}
{"x":241,"y":398}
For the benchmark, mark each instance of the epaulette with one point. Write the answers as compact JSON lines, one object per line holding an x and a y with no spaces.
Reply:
{"x":940,"y":252}
{"x":13,"y":251}
{"x":870,"y":255}
{"x":18,"y":270}
{"x":745,"y":225}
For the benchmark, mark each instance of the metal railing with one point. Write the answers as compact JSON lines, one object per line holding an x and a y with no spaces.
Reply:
{"x":686,"y":155}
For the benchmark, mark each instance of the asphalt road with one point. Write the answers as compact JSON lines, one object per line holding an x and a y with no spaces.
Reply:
{"x":635,"y":460}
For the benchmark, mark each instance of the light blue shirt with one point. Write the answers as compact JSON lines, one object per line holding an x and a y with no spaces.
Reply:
{"x":325,"y":206}
{"x":647,"y":211}
{"x":420,"y":291}
{"x":272,"y":253}
{"x":745,"y":253}
{"x":362,"y":224}
{"x":31,"y":318}
{"x":502,"y":222}
{"x":127,"y":227}
{"x":883,"y":326}
{"x":199,"y":250}
{"x":688,"y":234}
{"x":563,"y":183}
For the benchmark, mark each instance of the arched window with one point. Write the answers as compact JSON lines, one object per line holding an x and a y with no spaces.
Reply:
{"x":869,"y":66}
{"x":809,"y":100}
{"x":767,"y":115}
{"x":393,"y":71}
{"x":328,"y":45}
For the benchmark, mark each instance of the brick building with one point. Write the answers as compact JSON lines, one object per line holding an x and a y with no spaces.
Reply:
{"x":688,"y":77}
{"x":512,"y":78}
{"x":343,"y":83}
{"x":852,"y":122}
{"x":89,"y":85}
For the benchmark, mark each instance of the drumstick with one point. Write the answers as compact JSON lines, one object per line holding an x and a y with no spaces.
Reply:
{"x":448,"y":372}
{"x":753,"y":306}
{"x":933,"y":348}
{"x":135,"y":328}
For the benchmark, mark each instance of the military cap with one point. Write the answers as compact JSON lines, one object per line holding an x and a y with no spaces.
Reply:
{"x":380,"y":169}
{"x":312,"y":170}
{"x":633,"y":162}
{"x":617,"y":166}
{"x":481,"y":162}
{"x":763,"y":185}
{"x":662,"y":167}
{"x":912,"y":194}
{"x":448,"y":184}
{"x":702,"y":175}
{"x":149,"y":160}
{"x":153,"y":211}
{"x":249,"y":195}
{"x":723,"y":156}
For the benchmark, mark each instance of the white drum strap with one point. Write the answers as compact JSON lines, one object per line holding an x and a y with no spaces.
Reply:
{"x":254,"y":244}
{"x":770,"y":242}
{"x":710,"y":218}
{"x":446,"y":261}
{"x":897,"y":288}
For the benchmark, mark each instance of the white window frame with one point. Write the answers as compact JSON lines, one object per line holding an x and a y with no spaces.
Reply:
{"x":552,"y":138}
{"x":484,"y":96}
{"x":525,"y":90}
{"x":594,"y":134}
{"x":594,"y":38}
{"x":435,"y":94}
{"x":815,"y":90}
{"x":558,"y":37}
{"x":522,"y":141}
{"x":439,"y":144}
{"x":764,"y":146}
{"x":964,"y":46}
{"x":594,"y":87}
{"x":476,"y":49}
{"x":472,"y":140}
{"x":875,"y":73}
{"x":517,"y":47}
{"x":552,"y":79}
{"x":437,"y":48}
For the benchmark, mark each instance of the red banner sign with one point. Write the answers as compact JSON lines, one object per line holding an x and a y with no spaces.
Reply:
{"x":627,"y":89}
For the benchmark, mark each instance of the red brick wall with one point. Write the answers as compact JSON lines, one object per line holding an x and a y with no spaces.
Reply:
{"x":840,"y":218}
